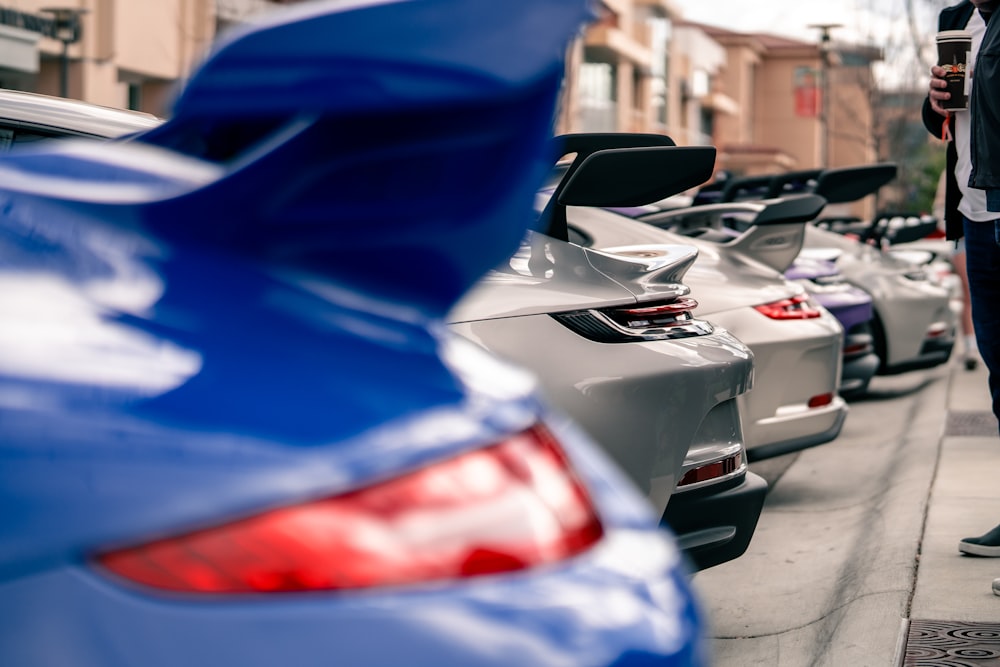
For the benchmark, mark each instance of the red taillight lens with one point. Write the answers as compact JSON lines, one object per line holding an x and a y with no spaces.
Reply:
{"x":796,"y":308}
{"x":937,"y":330}
{"x":856,"y":349}
{"x":666,"y":320}
{"x":660,"y":315}
{"x":507,"y":507}
{"x":711,"y":471}
{"x":820,"y":400}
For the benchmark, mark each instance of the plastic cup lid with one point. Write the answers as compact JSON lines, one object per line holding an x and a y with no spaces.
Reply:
{"x":948,"y":35}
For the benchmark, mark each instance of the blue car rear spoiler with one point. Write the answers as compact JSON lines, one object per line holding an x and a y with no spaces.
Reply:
{"x":396,"y":145}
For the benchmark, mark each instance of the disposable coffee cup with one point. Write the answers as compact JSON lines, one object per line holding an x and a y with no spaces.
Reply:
{"x":954,"y":51}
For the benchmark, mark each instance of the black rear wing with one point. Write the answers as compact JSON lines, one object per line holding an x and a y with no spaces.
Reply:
{"x":770,"y":186}
{"x":622,"y":169}
{"x":837,"y":186}
{"x":890,"y":226}
{"x":853,"y":183}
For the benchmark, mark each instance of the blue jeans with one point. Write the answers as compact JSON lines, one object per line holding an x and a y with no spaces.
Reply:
{"x":982,"y":258}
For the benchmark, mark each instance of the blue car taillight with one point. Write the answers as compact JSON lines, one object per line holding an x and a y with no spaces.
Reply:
{"x":658,"y":321}
{"x":507,"y":507}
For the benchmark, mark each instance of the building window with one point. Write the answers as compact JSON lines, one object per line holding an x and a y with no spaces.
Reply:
{"x":598,"y":91}
{"x":135,"y":96}
{"x":701,"y":83}
{"x":707,"y":124}
{"x":638,"y":94}
{"x":597,"y":83}
{"x":662,"y":33}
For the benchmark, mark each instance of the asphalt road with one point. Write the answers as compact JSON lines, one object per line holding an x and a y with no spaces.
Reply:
{"x":830,"y":571}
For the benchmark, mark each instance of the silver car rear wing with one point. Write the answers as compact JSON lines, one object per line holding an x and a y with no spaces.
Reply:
{"x":770,"y":232}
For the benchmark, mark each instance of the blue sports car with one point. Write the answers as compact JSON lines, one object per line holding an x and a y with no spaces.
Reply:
{"x":234,"y":429}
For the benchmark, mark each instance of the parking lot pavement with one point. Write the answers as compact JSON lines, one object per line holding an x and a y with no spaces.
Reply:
{"x":855,"y":559}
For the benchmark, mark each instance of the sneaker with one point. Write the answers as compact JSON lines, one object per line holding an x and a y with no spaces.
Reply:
{"x":996,"y":587}
{"x":985,"y":545}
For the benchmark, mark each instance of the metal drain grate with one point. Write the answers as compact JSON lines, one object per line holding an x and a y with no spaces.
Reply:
{"x":952,"y":644}
{"x":977,"y":424}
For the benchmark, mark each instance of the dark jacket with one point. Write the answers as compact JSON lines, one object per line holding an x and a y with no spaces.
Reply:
{"x":984,"y":106}
{"x":951,"y":18}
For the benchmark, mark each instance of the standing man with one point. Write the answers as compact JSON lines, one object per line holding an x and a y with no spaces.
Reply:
{"x":972,"y":198}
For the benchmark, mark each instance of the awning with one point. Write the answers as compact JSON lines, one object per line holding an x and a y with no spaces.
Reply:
{"x":18,"y":49}
{"x":719,"y":102}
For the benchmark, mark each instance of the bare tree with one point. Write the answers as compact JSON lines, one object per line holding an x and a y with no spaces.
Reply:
{"x":921,"y":17}
{"x":897,"y":132}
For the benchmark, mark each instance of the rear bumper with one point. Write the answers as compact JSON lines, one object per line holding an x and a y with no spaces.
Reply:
{"x":795,"y":361}
{"x":934,"y":352}
{"x":916,"y":323}
{"x":779,"y":447}
{"x":714,"y":526}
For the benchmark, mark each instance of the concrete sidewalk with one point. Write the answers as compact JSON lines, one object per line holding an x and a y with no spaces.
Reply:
{"x":964,"y":500}
{"x":855,"y":559}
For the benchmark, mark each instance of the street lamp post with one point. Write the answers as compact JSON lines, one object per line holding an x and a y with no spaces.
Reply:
{"x":67,"y":31}
{"x":824,"y":108}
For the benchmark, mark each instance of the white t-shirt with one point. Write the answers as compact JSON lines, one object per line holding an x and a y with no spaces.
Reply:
{"x":973,"y":204}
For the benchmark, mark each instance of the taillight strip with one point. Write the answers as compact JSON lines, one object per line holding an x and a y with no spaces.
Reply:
{"x":675,"y":307}
{"x":507,"y":507}
{"x":798,"y":307}
{"x":713,"y":471}
{"x":660,"y":321}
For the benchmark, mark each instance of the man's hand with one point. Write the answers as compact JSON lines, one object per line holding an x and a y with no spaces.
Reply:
{"x":936,"y":92}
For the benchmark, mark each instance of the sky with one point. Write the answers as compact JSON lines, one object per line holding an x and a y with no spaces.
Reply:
{"x":870,"y":22}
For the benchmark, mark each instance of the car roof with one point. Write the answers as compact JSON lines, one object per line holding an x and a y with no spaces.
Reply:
{"x":64,"y":115}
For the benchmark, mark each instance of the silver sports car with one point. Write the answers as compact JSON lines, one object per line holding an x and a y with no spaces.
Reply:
{"x":915,"y":320}
{"x":914,"y":325}
{"x":739,"y":285}
{"x":615,"y":345}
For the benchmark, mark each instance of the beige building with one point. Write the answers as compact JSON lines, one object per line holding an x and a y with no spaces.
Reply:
{"x":800,"y":105}
{"x":768,"y":103}
{"x":619,"y":73}
{"x":640,"y":67}
{"x":123,"y":53}
{"x":638,"y":70}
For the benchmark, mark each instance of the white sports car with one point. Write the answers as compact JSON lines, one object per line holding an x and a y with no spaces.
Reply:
{"x":615,"y":345}
{"x":915,"y":319}
{"x":739,"y":285}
